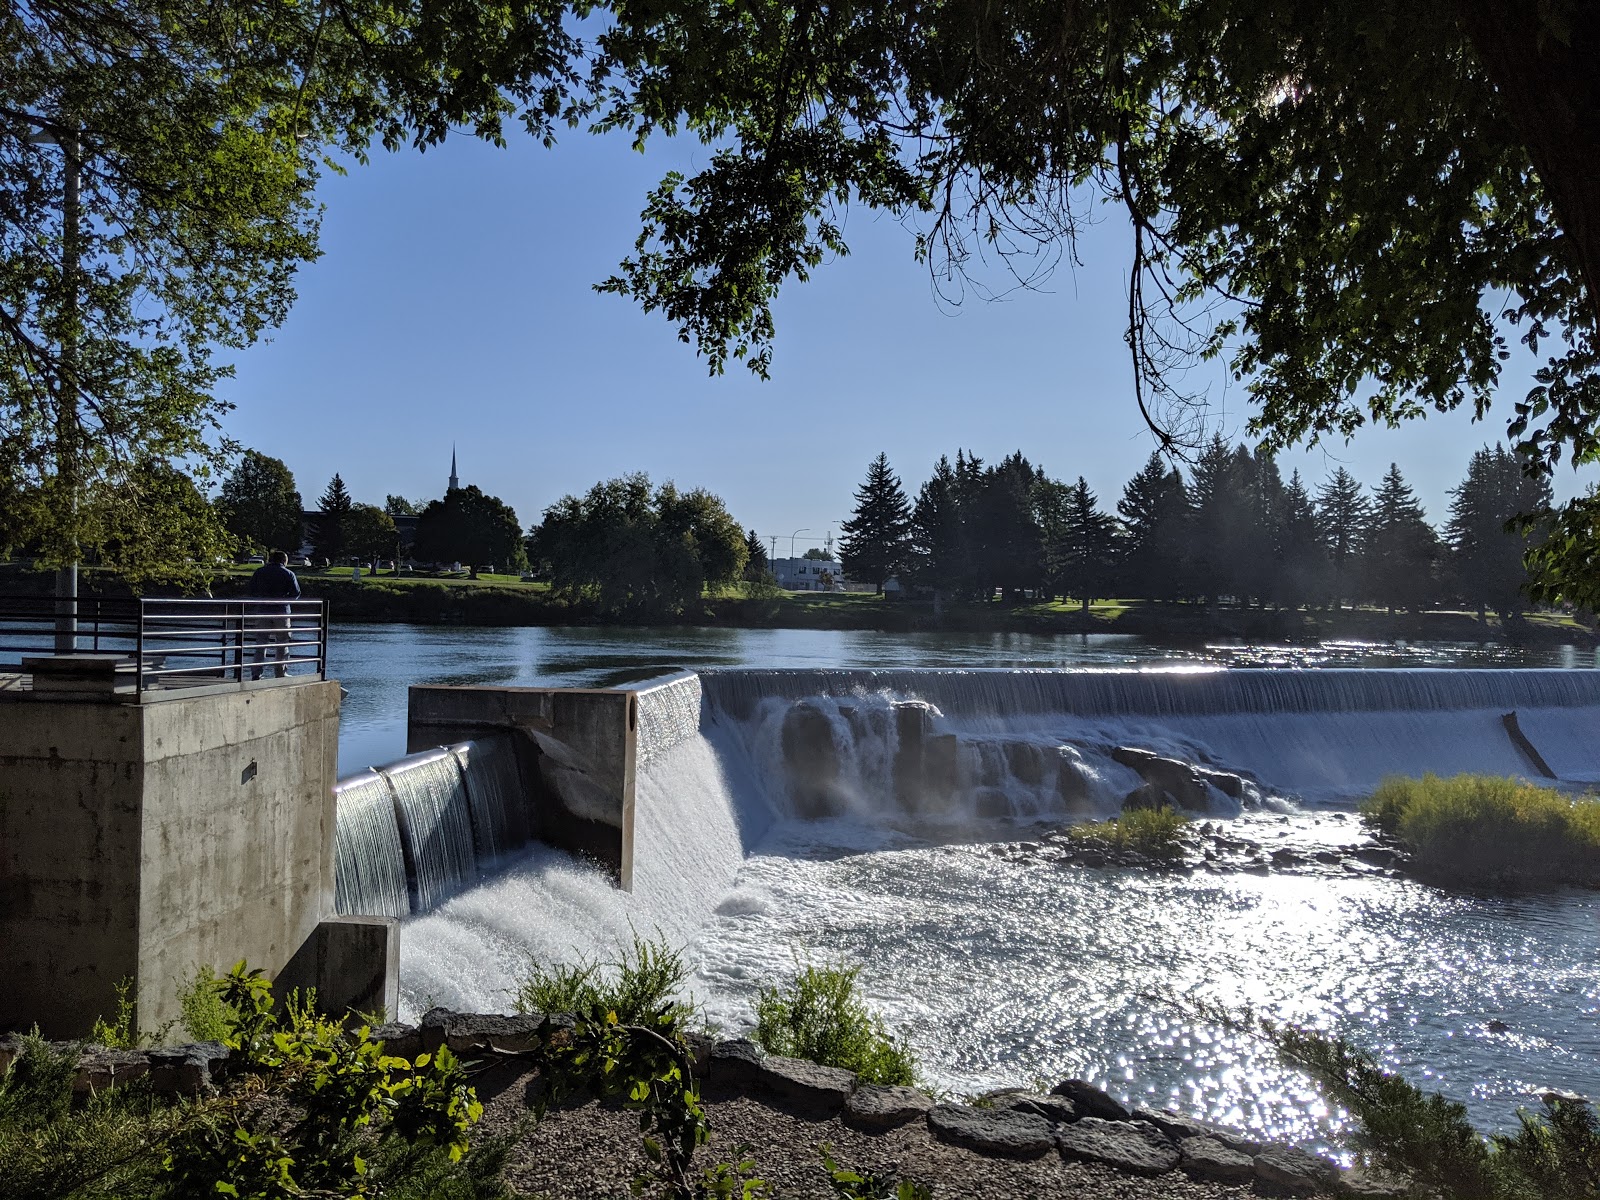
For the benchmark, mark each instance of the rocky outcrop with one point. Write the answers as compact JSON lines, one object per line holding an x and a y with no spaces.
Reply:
{"x":1008,"y":1132}
{"x":1131,"y":1146}
{"x":1175,"y":778}
{"x":811,"y":761}
{"x":876,"y":1106}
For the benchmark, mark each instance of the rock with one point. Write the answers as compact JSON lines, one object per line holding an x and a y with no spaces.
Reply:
{"x":1550,"y":1097}
{"x":877,"y":1106}
{"x":1375,"y":856}
{"x":1178,"y":1127}
{"x":1058,"y":1109}
{"x":1072,"y":780}
{"x":991,"y":803}
{"x":1174,"y":777}
{"x":811,"y":757}
{"x":806,"y":1084}
{"x":1090,"y":1100}
{"x":403,"y":1041}
{"x":700,"y":1047}
{"x":468,"y":1033}
{"x":1133,"y":1146}
{"x":992,"y":1131}
{"x":100,"y":1068}
{"x":10,"y":1049}
{"x":1295,"y":1171}
{"x":1025,"y":761}
{"x":1373,"y":1183}
{"x":1207,"y":1158}
{"x":1146,"y":795}
{"x":186,"y":1069}
{"x":1225,"y":782}
{"x":735,"y":1064}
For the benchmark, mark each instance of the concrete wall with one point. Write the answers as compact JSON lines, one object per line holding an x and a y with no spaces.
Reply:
{"x":141,"y":841}
{"x":576,"y":752}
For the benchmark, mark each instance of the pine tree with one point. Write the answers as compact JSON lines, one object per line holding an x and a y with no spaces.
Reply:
{"x":877,"y":538}
{"x":1003,"y":527}
{"x":756,"y":564}
{"x":1302,"y":567}
{"x":1487,"y":559}
{"x":1085,"y":556}
{"x":1401,"y":547}
{"x":935,"y":561}
{"x":327,"y":531}
{"x":1342,"y":518}
{"x":1155,"y":518}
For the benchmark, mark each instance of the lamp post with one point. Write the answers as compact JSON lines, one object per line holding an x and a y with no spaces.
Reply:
{"x":792,"y":537}
{"x":67,"y":388}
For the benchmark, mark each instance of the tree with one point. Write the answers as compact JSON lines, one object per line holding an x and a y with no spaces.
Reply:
{"x":1212,"y":491}
{"x":756,"y":565}
{"x":628,"y":548}
{"x":1486,"y":553}
{"x":1401,"y":547}
{"x":399,"y":506}
{"x":1301,"y":567}
{"x":260,"y":505}
{"x":936,"y":556}
{"x":817,"y":554}
{"x":327,"y":527}
{"x":1084,"y":557}
{"x":1343,"y":516}
{"x":471,"y":527}
{"x":877,"y":538}
{"x":1001,"y":521}
{"x":369,"y":533}
{"x":1155,"y":520}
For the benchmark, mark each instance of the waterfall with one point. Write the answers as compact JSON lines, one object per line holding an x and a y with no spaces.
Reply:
{"x":369,"y":865}
{"x":494,"y":791}
{"x":435,"y":825}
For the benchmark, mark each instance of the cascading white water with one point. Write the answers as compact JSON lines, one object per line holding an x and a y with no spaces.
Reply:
{"x":435,"y":825}
{"x":369,"y":864}
{"x":494,"y":791}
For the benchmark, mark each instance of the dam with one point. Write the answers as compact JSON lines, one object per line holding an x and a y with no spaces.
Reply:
{"x":892,"y":819}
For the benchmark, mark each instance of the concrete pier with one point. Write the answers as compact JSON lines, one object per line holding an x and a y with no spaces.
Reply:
{"x":141,"y":840}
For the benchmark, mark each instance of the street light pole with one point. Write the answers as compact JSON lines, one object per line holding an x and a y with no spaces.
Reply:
{"x":67,"y":385}
{"x":792,"y":537}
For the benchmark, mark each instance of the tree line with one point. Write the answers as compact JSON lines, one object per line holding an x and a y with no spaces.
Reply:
{"x":1230,"y":528}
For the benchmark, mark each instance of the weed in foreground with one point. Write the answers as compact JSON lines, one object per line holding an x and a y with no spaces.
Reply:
{"x":1153,"y":832}
{"x":644,"y":980}
{"x":821,"y":1015}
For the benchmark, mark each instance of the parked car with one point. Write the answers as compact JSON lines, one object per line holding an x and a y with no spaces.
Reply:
{"x":255,"y":560}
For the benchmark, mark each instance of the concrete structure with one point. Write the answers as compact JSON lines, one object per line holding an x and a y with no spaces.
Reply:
{"x":143,"y":840}
{"x":808,"y":574}
{"x":577,"y":753}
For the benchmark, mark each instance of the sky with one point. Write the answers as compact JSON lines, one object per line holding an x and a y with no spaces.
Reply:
{"x":453,"y":306}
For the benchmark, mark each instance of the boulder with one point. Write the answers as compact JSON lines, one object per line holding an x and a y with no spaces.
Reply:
{"x":997,"y":1131}
{"x":991,"y":803}
{"x":1026,"y":762}
{"x":1052,"y":1108}
{"x":1171,"y":775}
{"x":1225,"y":782}
{"x":700,"y":1047}
{"x":1136,"y":1147}
{"x":100,"y":1068}
{"x":1207,"y":1158}
{"x":877,"y":1106}
{"x":403,"y":1041}
{"x":1178,"y":1127}
{"x":811,"y":757}
{"x":1072,"y":780}
{"x":1146,"y":795}
{"x":1090,"y":1100}
{"x":188,"y":1069}
{"x":1373,"y":1183}
{"x":469,"y":1033}
{"x":1295,"y":1170}
{"x":735,"y":1064}
{"x":805,"y":1084}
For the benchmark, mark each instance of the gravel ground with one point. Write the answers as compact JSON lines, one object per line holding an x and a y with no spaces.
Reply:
{"x":592,"y":1152}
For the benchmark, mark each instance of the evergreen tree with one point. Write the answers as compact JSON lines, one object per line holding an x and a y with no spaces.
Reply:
{"x":1487,"y":557}
{"x":1210,"y":491}
{"x":877,"y":537}
{"x":1085,"y":555}
{"x":327,"y":528}
{"x":1003,"y":528}
{"x":936,"y":559}
{"x":1343,"y":519}
{"x":1401,"y":547}
{"x":259,"y":504}
{"x":1155,"y":518}
{"x":756,"y":564}
{"x":1301,"y":565}
{"x":1254,"y":495}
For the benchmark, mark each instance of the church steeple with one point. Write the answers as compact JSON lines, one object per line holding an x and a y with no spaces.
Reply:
{"x":454,"y":482}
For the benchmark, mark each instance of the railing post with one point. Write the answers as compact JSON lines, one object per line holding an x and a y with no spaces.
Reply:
{"x":138,"y":648}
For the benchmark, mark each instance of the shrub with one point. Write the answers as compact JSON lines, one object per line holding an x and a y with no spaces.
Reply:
{"x":821,"y":1015}
{"x":641,"y":983}
{"x":1554,"y":1155}
{"x":1153,"y":832}
{"x":206,"y":1016}
{"x":1485,"y":830}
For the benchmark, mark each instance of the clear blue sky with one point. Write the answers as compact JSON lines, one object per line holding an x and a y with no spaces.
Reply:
{"x":453,"y":303}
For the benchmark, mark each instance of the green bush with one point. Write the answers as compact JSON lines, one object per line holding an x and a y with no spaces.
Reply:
{"x":1554,"y":1155}
{"x":642,"y":982}
{"x":821,"y":1015}
{"x":1486,"y":830}
{"x":1153,"y":832}
{"x":206,"y":1016}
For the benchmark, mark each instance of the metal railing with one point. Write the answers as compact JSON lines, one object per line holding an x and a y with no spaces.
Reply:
{"x":172,"y":645}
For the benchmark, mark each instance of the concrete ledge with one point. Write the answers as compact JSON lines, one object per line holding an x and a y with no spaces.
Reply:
{"x":352,"y":962}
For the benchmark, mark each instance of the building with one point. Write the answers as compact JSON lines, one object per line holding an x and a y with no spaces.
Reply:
{"x":808,"y":574}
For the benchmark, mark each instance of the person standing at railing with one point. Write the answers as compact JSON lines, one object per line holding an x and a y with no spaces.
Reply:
{"x":270,"y":625}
